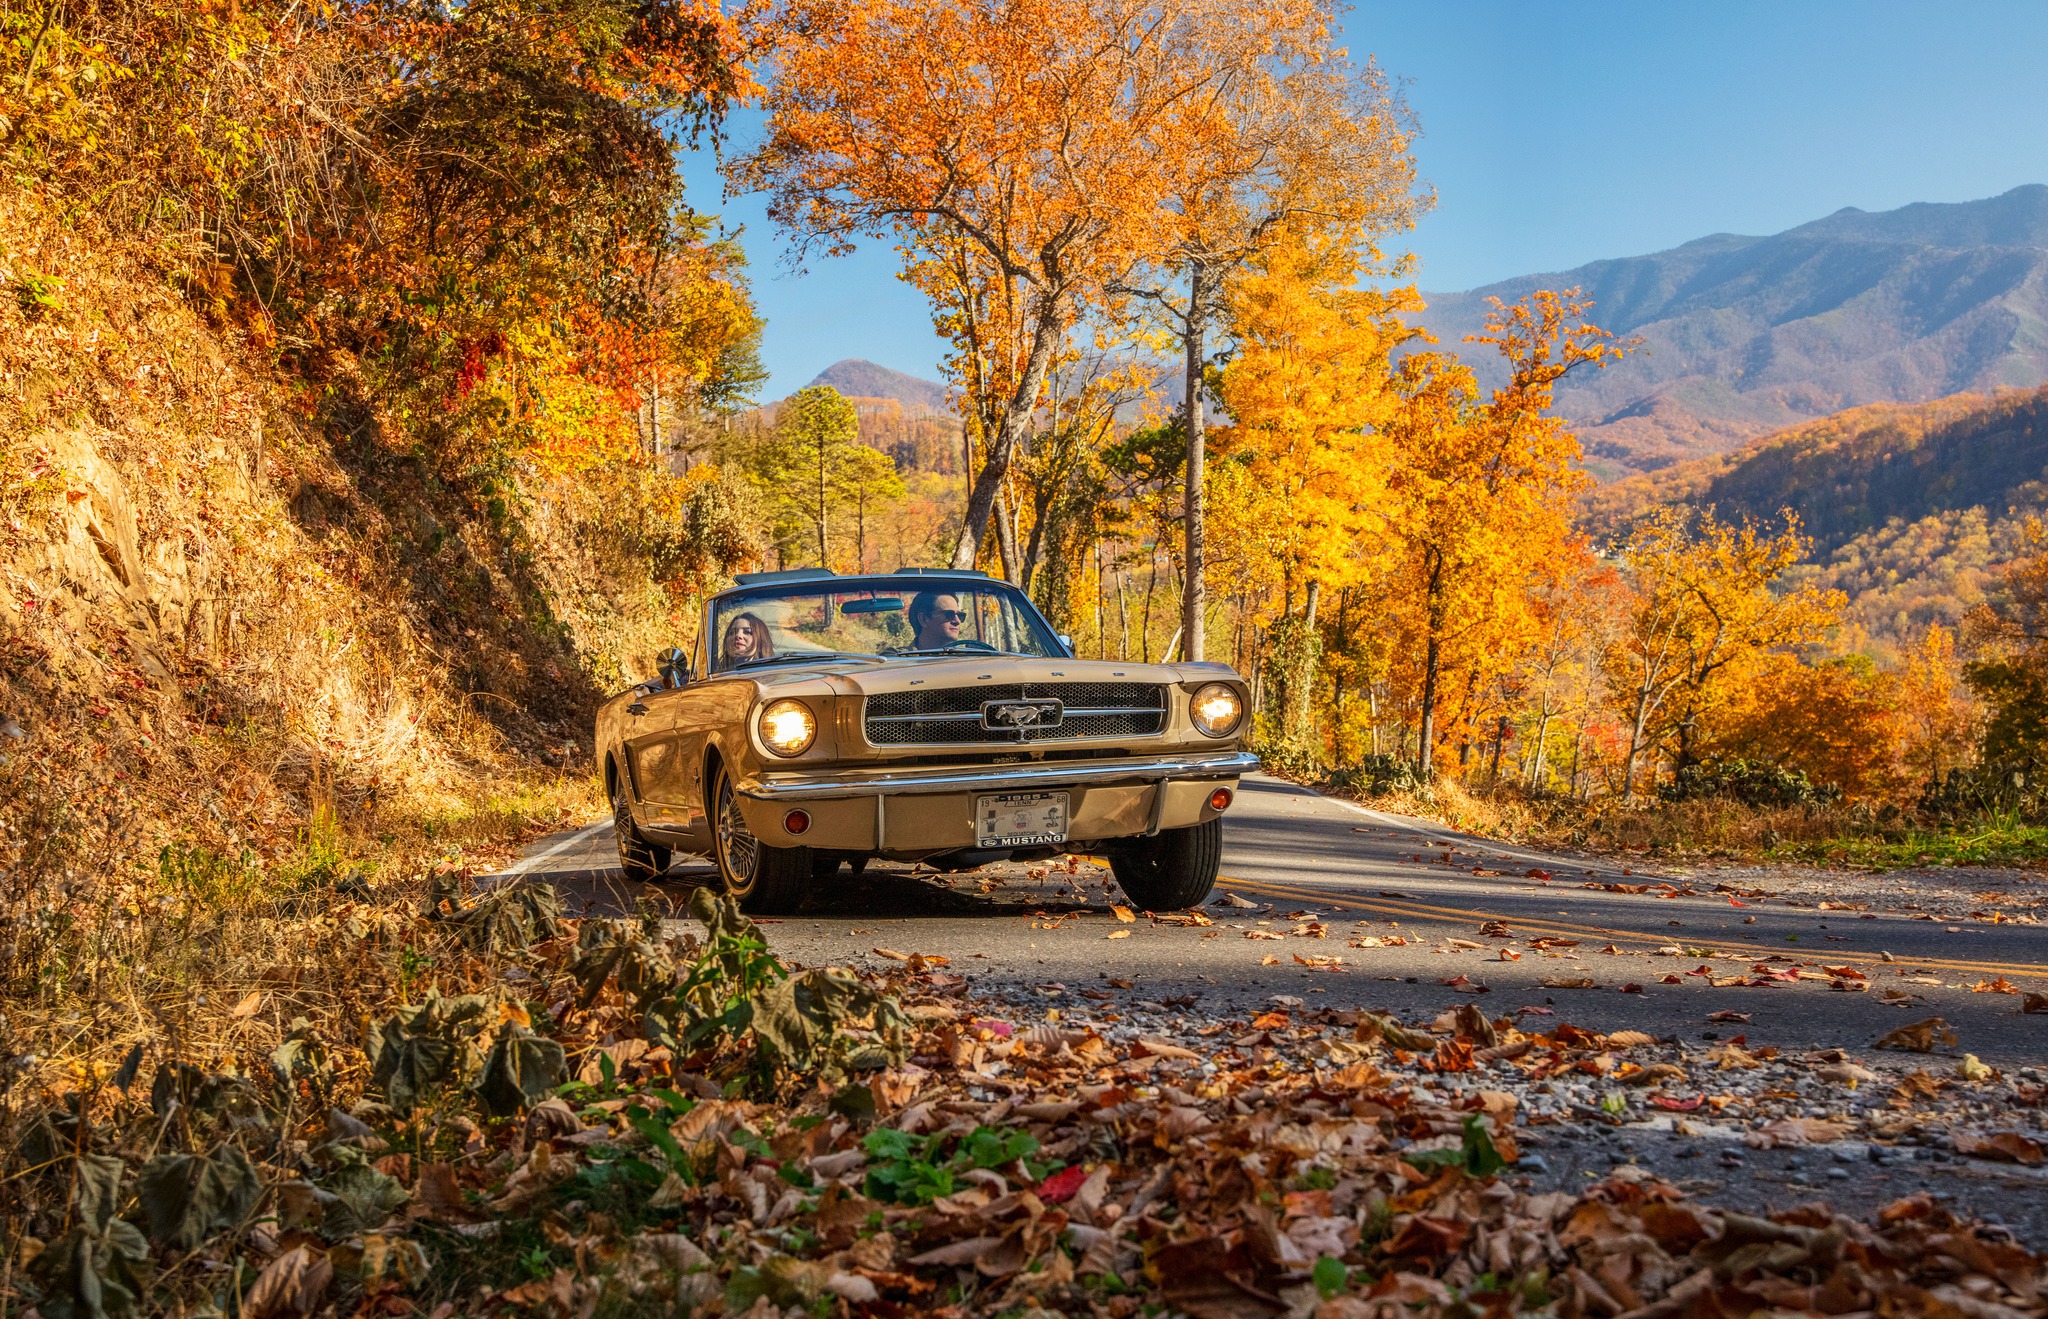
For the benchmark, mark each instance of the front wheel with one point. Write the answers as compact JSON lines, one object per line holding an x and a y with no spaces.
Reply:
{"x":764,"y":880}
{"x":643,"y":862}
{"x":1171,"y":871}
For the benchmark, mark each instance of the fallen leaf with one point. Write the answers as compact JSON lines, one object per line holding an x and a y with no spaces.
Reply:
{"x":1998,"y":986}
{"x":2001,"y":1147}
{"x":1570,"y":982}
{"x":294,"y":1282}
{"x":1971,"y":1068}
{"x":1730,"y":1014}
{"x":1122,"y":913}
{"x":1920,"y":1037}
{"x":2034,"y":1003}
{"x":1801,"y":1131}
{"x":1118,"y":934}
{"x":1733,"y":1056}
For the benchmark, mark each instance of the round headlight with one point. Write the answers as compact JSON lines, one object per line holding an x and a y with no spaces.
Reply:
{"x":788,"y":727}
{"x":1217,"y":709}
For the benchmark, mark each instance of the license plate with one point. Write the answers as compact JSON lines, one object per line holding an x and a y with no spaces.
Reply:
{"x":1020,"y":819}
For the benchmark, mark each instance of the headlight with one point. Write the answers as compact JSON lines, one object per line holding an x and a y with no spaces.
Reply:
{"x":1216,"y":709}
{"x":788,"y":727}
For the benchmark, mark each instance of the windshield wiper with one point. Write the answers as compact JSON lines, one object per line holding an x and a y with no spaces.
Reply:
{"x":962,"y":648}
{"x":808,"y":657}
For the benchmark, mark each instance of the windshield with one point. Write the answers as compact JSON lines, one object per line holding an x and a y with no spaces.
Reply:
{"x":900,"y":616}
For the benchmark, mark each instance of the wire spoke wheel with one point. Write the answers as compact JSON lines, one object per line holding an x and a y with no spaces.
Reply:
{"x":640,"y":860}
{"x":765,"y":880}
{"x":737,"y":846}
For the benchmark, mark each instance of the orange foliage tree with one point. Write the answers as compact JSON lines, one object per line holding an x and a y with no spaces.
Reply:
{"x":1030,"y":148}
{"x":1480,"y":493}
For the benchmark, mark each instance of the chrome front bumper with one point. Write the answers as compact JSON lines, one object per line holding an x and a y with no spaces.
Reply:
{"x":792,"y":788}
{"x":922,"y":811}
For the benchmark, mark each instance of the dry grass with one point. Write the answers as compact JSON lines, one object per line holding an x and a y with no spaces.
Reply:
{"x":1832,"y":834}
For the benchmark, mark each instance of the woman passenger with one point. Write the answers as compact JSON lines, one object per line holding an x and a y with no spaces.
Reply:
{"x":747,"y":640}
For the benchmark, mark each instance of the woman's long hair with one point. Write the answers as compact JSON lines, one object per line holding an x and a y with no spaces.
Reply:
{"x":764,"y":645}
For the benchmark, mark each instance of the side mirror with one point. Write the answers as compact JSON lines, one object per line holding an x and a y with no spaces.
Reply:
{"x":674,"y":666}
{"x":1067,"y":643}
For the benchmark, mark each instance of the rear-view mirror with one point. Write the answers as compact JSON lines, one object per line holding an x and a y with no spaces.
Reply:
{"x":881,"y":604}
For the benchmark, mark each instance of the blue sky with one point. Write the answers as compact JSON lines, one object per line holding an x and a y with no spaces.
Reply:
{"x":1557,"y":134}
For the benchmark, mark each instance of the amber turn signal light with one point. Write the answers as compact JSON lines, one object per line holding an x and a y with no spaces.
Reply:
{"x":797,"y":822}
{"x":1220,"y":799}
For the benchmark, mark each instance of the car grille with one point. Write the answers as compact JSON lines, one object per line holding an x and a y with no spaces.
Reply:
{"x":952,"y":715}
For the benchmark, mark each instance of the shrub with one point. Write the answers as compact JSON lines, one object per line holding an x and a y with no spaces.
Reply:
{"x":1753,"y":784}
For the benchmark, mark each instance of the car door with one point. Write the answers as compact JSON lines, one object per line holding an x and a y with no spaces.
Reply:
{"x":654,"y":754}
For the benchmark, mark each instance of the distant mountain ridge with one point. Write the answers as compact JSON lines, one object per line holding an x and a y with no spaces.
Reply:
{"x":1743,"y":335}
{"x":1911,"y":507}
{"x":857,"y":377}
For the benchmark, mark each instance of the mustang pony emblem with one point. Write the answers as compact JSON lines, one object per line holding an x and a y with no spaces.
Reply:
{"x":1022,"y":715}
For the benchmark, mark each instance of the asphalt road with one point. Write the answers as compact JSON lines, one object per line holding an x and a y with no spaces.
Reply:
{"x":1316,"y":864}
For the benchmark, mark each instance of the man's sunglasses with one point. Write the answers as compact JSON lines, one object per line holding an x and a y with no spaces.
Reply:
{"x":950,"y":615}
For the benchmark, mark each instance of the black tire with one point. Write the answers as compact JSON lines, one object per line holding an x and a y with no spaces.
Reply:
{"x":766,"y":881}
{"x":826,"y":866}
{"x":1174,"y":870}
{"x":643,"y":862}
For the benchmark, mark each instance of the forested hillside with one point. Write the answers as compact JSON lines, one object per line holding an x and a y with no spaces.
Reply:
{"x":1910,"y":507}
{"x":330,"y":507}
{"x":1742,"y":336}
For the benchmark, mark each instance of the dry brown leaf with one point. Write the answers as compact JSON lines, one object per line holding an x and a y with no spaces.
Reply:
{"x":1998,"y":986}
{"x":1801,"y":1131}
{"x":1730,"y":1057}
{"x":892,"y":954}
{"x":1118,"y":934}
{"x":1122,"y":913}
{"x":2034,"y":1002}
{"x":293,"y":1283}
{"x":1848,"y":1073}
{"x":1159,"y":1047}
{"x":1919,"y":1037}
{"x":1570,"y":982}
{"x":1629,"y":1039}
{"x":248,"y":1006}
{"x":2001,"y":1147}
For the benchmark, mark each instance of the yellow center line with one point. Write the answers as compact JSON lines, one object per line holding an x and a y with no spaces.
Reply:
{"x":1411,"y":907}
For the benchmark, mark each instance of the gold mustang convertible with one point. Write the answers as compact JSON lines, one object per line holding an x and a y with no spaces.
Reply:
{"x":922,"y":715}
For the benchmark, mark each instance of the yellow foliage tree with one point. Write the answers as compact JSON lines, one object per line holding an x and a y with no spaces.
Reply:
{"x":1704,"y":605}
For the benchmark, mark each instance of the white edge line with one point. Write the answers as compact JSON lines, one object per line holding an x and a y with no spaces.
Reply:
{"x":527,"y":863}
{"x":1409,"y":824}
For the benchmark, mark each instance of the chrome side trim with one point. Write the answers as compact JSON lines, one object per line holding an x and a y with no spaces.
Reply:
{"x":820,"y":787}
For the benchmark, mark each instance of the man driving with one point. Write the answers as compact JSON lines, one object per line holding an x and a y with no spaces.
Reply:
{"x":937,"y":617}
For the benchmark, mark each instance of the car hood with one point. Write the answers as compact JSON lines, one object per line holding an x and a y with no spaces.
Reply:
{"x":931,"y":673}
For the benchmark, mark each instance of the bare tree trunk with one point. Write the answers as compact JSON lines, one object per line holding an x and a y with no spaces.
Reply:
{"x":823,"y":561}
{"x":1635,"y":741}
{"x":1536,"y":762}
{"x":1006,"y":535}
{"x":1002,"y":448}
{"x":1123,"y":619}
{"x":1201,"y":289}
{"x":1432,"y":660}
{"x":1151,"y":585}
